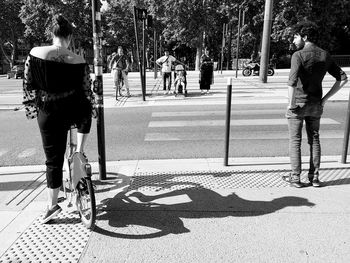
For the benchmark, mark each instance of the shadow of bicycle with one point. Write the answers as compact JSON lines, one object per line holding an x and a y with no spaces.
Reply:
{"x":154,"y":205}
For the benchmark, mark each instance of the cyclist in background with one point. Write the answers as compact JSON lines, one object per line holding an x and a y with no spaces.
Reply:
{"x":119,"y":65}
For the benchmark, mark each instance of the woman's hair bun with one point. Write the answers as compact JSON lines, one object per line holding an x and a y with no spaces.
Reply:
{"x":61,"y":26}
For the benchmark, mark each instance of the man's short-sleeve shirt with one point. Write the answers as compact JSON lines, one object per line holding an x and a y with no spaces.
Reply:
{"x":308,"y":68}
{"x":120,"y":61}
{"x":166,"y":62}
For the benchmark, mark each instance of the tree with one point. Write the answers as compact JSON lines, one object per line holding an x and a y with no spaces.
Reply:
{"x":118,"y":24}
{"x":331,"y":17}
{"x":191,"y":22}
{"x":37,"y":17}
{"x":11,"y":29}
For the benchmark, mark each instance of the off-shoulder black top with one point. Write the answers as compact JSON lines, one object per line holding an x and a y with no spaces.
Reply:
{"x":49,"y":84}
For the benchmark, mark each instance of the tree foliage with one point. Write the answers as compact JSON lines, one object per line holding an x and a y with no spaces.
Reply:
{"x":187,"y":25}
{"x":37,"y":16}
{"x":11,"y":29}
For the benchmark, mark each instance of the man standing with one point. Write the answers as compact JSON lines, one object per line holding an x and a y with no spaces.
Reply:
{"x":306,"y":101}
{"x":119,"y":65}
{"x":166,"y":63}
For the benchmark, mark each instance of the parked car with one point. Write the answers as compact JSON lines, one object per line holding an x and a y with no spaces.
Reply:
{"x":16,"y":72}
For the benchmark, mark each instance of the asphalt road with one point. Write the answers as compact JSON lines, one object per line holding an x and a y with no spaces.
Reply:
{"x":176,"y":132}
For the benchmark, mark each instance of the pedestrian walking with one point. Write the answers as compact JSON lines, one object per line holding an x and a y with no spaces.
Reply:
{"x":166,"y":62}
{"x":206,"y":77}
{"x":306,"y":100}
{"x":57,"y":90}
{"x":119,"y":65}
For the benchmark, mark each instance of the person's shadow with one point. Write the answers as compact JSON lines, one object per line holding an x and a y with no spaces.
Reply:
{"x":132,"y":214}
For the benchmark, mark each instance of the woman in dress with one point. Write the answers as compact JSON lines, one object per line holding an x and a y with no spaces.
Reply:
{"x":206,"y":77}
{"x":57,"y":90}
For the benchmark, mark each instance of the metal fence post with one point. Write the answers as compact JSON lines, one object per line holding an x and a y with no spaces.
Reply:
{"x":346,"y":135}
{"x":228,"y":120}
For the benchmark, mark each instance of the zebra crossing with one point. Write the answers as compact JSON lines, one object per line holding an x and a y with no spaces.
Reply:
{"x":210,"y":125}
{"x":244,"y":91}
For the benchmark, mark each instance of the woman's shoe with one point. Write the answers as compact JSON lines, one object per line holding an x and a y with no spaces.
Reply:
{"x":51,"y":213}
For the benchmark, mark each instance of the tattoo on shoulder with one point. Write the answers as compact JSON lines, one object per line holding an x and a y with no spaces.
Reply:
{"x":60,"y":58}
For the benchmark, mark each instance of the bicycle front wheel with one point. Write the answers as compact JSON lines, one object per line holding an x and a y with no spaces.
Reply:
{"x":86,"y":203}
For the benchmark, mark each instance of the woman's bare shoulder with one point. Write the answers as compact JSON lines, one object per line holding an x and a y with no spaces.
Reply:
{"x":51,"y":53}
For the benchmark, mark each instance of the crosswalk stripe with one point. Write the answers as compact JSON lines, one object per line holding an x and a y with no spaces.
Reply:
{"x":248,"y":122}
{"x":210,"y":136}
{"x":213,"y":113}
{"x":26,"y":153}
{"x":2,"y":152}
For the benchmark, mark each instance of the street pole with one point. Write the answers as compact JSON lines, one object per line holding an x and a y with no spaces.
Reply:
{"x":144,"y":57}
{"x":138,"y":50}
{"x":222,"y":48}
{"x":228,"y":120}
{"x":238,"y":37}
{"x":155,"y":53}
{"x":98,"y":86}
{"x":229,"y":46}
{"x":265,"y":47}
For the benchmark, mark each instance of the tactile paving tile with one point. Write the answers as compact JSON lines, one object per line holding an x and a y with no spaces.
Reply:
{"x":226,"y":179}
{"x":63,"y":240}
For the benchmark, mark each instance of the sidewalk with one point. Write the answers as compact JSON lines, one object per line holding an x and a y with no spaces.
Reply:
{"x":193,"y":210}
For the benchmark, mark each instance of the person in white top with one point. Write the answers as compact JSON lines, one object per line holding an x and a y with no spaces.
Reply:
{"x":166,"y":63}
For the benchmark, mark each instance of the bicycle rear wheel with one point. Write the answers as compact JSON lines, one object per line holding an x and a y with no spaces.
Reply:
{"x":86,"y":202}
{"x":123,"y":92}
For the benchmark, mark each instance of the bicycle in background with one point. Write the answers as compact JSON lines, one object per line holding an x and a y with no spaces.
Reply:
{"x":121,"y":89}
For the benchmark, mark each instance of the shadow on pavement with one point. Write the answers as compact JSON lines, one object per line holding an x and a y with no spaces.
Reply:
{"x":139,"y":213}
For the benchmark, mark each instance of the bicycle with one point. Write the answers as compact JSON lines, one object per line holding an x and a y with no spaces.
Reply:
{"x":121,"y":88}
{"x":77,"y":182}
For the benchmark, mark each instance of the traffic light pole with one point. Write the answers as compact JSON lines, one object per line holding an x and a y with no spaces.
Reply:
{"x":155,"y":54}
{"x":265,"y":46}
{"x":138,"y":51}
{"x":98,"y":86}
{"x":238,"y":38}
{"x":144,"y":57}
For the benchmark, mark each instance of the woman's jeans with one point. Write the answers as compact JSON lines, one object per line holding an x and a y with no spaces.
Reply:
{"x":311,"y":113}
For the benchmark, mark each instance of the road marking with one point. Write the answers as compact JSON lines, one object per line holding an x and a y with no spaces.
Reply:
{"x":2,"y":152}
{"x":219,"y":136}
{"x":249,"y":122}
{"x":214,"y":113}
{"x":26,"y":153}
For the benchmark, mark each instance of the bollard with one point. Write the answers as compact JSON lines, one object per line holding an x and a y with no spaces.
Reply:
{"x":228,"y":120}
{"x":346,"y":135}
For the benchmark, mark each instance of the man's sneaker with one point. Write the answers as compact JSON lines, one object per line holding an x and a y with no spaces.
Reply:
{"x":51,"y":213}
{"x":294,"y":182}
{"x":314,"y":181}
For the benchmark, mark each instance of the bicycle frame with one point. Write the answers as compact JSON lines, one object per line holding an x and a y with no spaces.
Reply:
{"x":79,"y":184}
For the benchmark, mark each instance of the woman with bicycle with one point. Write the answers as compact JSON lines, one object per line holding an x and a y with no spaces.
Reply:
{"x":57,"y":90}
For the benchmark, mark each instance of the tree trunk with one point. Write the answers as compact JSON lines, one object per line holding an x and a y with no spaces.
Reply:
{"x":4,"y":53}
{"x":199,"y":51}
{"x":14,"y":54}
